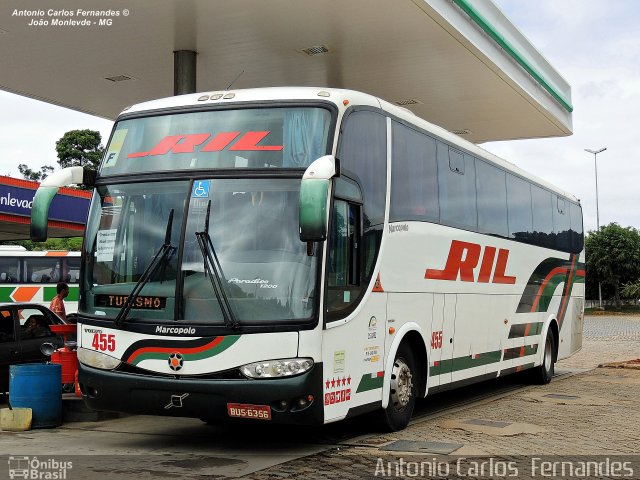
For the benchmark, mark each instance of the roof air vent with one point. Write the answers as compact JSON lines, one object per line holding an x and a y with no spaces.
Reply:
{"x":119,"y":78}
{"x":408,"y":101}
{"x":464,"y":131}
{"x":315,"y":50}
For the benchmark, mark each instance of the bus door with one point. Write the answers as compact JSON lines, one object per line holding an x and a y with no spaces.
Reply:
{"x":477,"y":346}
{"x":441,"y":340}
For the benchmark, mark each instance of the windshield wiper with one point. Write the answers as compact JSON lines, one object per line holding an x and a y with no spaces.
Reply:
{"x":214,"y":271}
{"x":164,"y":253}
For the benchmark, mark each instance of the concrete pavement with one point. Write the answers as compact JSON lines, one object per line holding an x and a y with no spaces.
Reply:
{"x":584,"y":411}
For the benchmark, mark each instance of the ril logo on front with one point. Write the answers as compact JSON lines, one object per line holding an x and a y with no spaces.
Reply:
{"x":463,"y":260}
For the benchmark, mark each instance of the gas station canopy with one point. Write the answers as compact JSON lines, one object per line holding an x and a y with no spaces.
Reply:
{"x":458,"y":63}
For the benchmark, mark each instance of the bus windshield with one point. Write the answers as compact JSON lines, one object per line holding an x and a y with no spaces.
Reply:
{"x":267,"y":276}
{"x":249,"y":138}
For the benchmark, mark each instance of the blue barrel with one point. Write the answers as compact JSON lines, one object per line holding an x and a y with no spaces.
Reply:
{"x":37,"y":386}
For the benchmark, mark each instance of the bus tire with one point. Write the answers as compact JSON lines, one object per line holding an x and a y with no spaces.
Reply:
{"x":543,"y":374}
{"x":403,"y":390}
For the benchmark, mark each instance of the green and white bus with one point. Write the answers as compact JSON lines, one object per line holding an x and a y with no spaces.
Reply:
{"x":302,"y":255}
{"x":32,"y":276}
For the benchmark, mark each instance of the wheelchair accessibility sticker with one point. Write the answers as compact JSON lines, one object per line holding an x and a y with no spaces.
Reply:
{"x":200,"y":189}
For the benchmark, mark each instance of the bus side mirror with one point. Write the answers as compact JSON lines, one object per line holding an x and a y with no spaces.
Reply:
{"x":313,"y":212}
{"x":47,"y":190}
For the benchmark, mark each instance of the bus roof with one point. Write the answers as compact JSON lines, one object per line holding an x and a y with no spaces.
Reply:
{"x":337,"y":97}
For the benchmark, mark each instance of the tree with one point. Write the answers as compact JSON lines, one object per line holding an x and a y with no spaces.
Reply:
{"x":35,"y":175}
{"x":613,"y":258}
{"x":80,"y":148}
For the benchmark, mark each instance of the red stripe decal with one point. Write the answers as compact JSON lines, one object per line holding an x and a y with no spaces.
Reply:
{"x":550,"y":275}
{"x":567,"y":291}
{"x":183,"y":351}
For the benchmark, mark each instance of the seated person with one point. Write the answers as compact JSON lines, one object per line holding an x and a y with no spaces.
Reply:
{"x":36,"y":327}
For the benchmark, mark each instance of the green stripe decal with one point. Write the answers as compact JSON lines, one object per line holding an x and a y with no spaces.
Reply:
{"x":525,"y":330}
{"x":198,"y":354}
{"x":490,"y":30}
{"x":50,"y":292}
{"x":519,"y":352}
{"x":463,"y":363}
{"x":367,"y":382}
{"x":5,"y":293}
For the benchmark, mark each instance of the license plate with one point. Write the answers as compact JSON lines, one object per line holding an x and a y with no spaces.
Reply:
{"x":243,"y":410}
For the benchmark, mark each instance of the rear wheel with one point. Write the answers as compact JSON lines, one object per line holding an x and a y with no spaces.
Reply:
{"x":403,"y":391}
{"x":543,"y":374}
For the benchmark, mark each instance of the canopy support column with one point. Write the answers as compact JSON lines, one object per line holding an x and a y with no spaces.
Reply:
{"x":184,"y":72}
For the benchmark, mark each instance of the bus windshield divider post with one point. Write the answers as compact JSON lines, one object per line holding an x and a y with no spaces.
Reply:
{"x":164,"y":253}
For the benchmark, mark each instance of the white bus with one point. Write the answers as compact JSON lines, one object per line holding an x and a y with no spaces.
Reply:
{"x":302,"y":255}
{"x":31,"y":277}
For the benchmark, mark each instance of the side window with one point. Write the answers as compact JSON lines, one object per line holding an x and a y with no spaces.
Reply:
{"x":542,"y":217}
{"x":414,"y":176}
{"x":71,"y":270}
{"x":344,"y":263}
{"x":363,"y":152}
{"x":43,"y":270}
{"x":577,"y":235}
{"x":7,"y":333}
{"x":492,"y":199}
{"x":8,"y":270}
{"x":456,"y":188}
{"x":519,"y":209}
{"x":363,"y":156}
{"x":562,"y":224}
{"x":33,"y":324}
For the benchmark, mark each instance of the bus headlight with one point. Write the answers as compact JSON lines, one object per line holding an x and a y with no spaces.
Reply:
{"x":97,"y":359}
{"x":286,"y":367}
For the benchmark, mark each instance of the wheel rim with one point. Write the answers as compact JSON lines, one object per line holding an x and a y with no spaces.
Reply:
{"x":401,"y":384}
{"x":548,"y":356}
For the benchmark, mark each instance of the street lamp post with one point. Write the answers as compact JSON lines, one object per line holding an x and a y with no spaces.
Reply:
{"x":595,"y":162}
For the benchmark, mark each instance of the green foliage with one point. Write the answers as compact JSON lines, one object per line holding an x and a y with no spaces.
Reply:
{"x":613,"y":258}
{"x":80,"y":148}
{"x":631,"y":290}
{"x":73,"y":244}
{"x":35,"y":175}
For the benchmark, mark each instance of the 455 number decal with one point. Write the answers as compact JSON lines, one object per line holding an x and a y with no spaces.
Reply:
{"x":104,"y":342}
{"x":436,"y":340}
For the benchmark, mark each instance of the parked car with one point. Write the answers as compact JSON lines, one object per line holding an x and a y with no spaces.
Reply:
{"x":24,"y":327}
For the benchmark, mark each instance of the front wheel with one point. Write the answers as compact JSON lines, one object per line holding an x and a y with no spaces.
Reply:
{"x":543,"y":374}
{"x":403,"y":391}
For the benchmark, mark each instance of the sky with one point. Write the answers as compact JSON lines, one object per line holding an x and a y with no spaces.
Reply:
{"x":595,"y":45}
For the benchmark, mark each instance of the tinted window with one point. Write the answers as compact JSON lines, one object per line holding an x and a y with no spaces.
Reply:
{"x":343,"y":265}
{"x":8,"y":270}
{"x":43,"y":270}
{"x":492,"y":199}
{"x":239,"y":139}
{"x":363,"y":153}
{"x":562,"y":224}
{"x":519,"y":208}
{"x":71,"y":266}
{"x":542,"y":217}
{"x":6,"y":326}
{"x":456,"y":188}
{"x":414,"y":176}
{"x":577,"y":241}
{"x":363,"y":156}
{"x":33,"y":324}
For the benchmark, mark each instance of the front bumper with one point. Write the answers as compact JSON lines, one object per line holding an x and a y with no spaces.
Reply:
{"x":202,"y":398}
